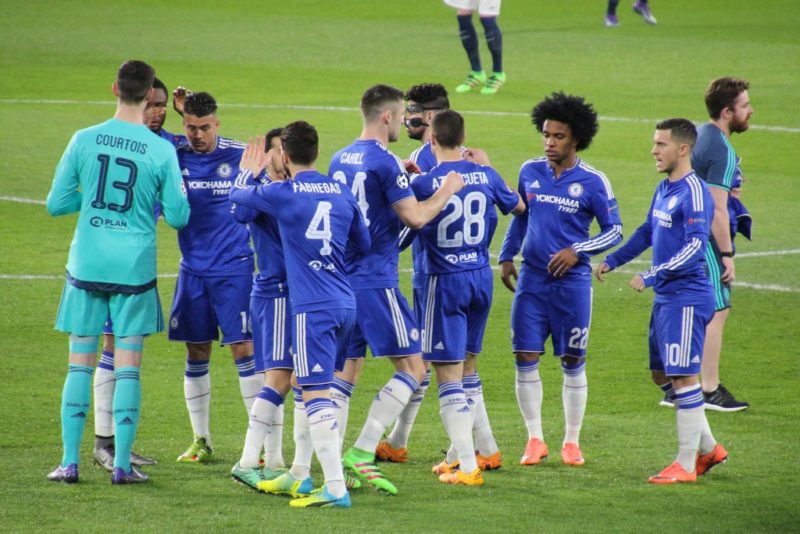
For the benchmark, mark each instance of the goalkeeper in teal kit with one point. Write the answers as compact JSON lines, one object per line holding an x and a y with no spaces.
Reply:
{"x":113,"y":174}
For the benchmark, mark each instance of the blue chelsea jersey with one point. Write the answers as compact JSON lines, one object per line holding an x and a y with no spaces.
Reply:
{"x":677,"y":227}
{"x":175,"y":140}
{"x":270,"y":280}
{"x":424,"y":159}
{"x":378,"y":180}
{"x":319,"y":220}
{"x":213,"y":243}
{"x":458,"y":238}
{"x":560,"y":212}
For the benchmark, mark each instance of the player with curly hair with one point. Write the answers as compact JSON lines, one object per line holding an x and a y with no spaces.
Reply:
{"x":563,"y":195}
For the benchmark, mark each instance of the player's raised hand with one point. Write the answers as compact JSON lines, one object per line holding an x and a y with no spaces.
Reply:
{"x":411,"y":167}
{"x":562,"y":261}
{"x":508,"y":271}
{"x":253,"y":158}
{"x":637,"y":283}
{"x":453,"y":182}
{"x":728,"y":275}
{"x":602,"y":269}
{"x":477,"y":155}
{"x":179,"y":97}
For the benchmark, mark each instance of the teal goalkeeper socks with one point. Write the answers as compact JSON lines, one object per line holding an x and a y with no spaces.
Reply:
{"x":74,"y":410}
{"x":126,"y":406}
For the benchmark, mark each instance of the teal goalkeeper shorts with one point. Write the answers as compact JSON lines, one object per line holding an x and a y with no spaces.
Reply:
{"x":83,"y":312}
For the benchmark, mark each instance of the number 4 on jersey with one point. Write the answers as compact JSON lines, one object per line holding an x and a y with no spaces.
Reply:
{"x":320,"y":227}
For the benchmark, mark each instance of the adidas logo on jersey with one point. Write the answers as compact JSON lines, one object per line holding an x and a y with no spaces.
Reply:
{"x":536,"y":184}
{"x":439,"y":346}
{"x":316,"y":369}
{"x":696,"y":358}
{"x":185,"y":172}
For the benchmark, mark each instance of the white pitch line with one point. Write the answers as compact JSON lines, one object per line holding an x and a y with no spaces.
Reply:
{"x":737,"y":284}
{"x":23,"y":200}
{"x":757,"y":254}
{"x":349,"y":109}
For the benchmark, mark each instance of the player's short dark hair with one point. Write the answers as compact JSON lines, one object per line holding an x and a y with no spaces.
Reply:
{"x":682,"y":130}
{"x":722,"y":93}
{"x":158,"y":84}
{"x":448,"y":129}
{"x":571,"y":110}
{"x":300,"y":142}
{"x":272,"y":134}
{"x":199,"y":104}
{"x":430,"y":95}
{"x":134,"y":81}
{"x":374,"y":99}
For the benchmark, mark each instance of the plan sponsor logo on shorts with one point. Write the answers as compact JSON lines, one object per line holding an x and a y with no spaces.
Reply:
{"x":173,"y":323}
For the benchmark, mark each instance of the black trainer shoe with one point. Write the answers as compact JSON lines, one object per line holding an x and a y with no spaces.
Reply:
{"x":721,"y":400}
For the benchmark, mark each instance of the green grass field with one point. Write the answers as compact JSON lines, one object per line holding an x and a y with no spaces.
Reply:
{"x":271,"y":62}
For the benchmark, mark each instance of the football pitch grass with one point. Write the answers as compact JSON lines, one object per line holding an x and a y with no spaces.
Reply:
{"x":272,"y":62}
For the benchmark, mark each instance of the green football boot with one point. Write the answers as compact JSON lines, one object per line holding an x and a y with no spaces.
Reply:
{"x":362,"y":464}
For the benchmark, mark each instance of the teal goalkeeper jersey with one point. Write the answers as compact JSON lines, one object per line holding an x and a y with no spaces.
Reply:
{"x":113,"y":174}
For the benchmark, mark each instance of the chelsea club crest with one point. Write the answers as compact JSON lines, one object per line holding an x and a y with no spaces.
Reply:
{"x":224,"y":170}
{"x":671,"y":202}
{"x":575,"y":190}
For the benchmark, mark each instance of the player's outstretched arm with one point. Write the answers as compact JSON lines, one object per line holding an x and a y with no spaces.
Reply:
{"x":520,"y":208}
{"x":178,"y":98}
{"x":64,"y":196}
{"x":415,"y":214}
{"x":254,"y":157}
{"x":172,"y":196}
{"x":251,"y":166}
